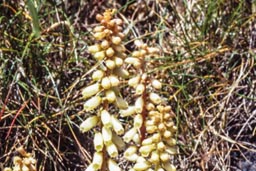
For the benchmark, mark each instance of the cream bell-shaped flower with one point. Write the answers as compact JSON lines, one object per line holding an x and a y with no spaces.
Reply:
{"x":99,"y":35}
{"x":117,"y":125}
{"x":139,"y":103}
{"x":116,"y":40}
{"x":128,"y":112}
{"x":164,"y":156}
{"x":91,"y":90}
{"x":99,"y":55}
{"x":105,"y":44}
{"x":133,"y":158}
{"x":130,"y":151}
{"x":121,"y":103}
{"x":107,"y":135}
{"x":94,"y":48}
{"x":114,"y":80}
{"x":106,"y":118}
{"x":89,"y":123}
{"x":156,"y":84}
{"x":97,"y":160}
{"x":141,"y":166}
{"x":154,"y":158}
{"x":155,"y":98}
{"x":110,"y":52}
{"x":105,"y":83}
{"x":110,"y":96}
{"x":92,"y":103}
{"x":129,"y":135}
{"x":118,"y":61}
{"x":112,"y":150}
{"x":146,"y":150}
{"x":138,"y":120}
{"x":98,"y":141}
{"x":140,"y":89}
{"x":97,"y":75}
{"x":110,"y":64}
{"x":113,"y":166}
{"x":133,"y":82}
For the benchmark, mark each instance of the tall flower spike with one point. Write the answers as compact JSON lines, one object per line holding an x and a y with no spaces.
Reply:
{"x":108,"y":51}
{"x":151,"y":118}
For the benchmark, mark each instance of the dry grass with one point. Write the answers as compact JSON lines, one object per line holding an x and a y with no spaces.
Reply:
{"x":207,"y":64}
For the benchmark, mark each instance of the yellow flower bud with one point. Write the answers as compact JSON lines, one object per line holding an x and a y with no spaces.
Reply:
{"x":105,"y":118}
{"x":164,"y":157}
{"x":133,"y":82}
{"x":7,"y":169}
{"x":89,"y":123}
{"x":104,"y":44}
{"x":94,"y":48}
{"x":98,"y":141}
{"x":138,"y":120}
{"x":105,"y":83}
{"x":98,"y":29}
{"x":112,"y":166}
{"x":140,"y":89}
{"x":110,"y":64}
{"x":156,"y":137}
{"x":138,"y":43}
{"x":114,"y":81}
{"x":139,"y":104}
{"x":171,"y":141}
{"x":128,"y":112}
{"x":150,"y":106}
{"x":99,"y":55}
{"x":121,"y":103}
{"x":112,"y":150}
{"x":130,"y":151}
{"x":117,"y":125}
{"x":97,"y":75}
{"x":161,"y":146}
{"x":116,"y":40}
{"x":110,"y":52}
{"x":156,"y":84}
{"x":147,"y":141}
{"x":141,"y":166}
{"x":99,"y":35}
{"x":160,"y":169}
{"x":155,"y":98}
{"x":118,"y":61}
{"x":151,"y":129}
{"x":107,"y":135}
{"x":119,"y":48}
{"x":154,"y":158}
{"x":167,"y":134}
{"x":97,"y":160}
{"x":146,"y":150}
{"x":136,"y":54}
{"x":91,"y":90}
{"x":129,"y":135}
{"x":131,"y":60}
{"x":92,"y":103}
{"x":136,"y":138}
{"x":132,"y":158}
{"x":110,"y":96}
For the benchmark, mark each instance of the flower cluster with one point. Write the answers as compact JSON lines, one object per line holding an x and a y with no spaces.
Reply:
{"x":24,"y":163}
{"x":152,"y":119}
{"x":110,"y":54}
{"x":150,"y":137}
